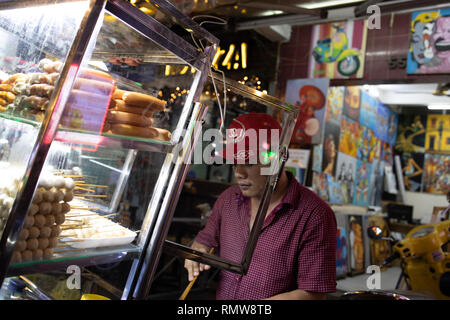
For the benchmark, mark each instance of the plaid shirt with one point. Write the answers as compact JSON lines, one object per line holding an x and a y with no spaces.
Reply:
{"x":295,"y":250}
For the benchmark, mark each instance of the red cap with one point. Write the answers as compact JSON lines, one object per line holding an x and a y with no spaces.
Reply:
{"x":249,"y":138}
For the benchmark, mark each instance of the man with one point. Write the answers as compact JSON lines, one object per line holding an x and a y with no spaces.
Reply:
{"x":295,"y":255}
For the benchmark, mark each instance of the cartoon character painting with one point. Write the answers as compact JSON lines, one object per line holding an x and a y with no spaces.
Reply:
{"x":429,"y":45}
{"x":338,"y":50}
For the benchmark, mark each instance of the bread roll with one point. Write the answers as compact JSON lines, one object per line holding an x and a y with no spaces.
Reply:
{"x":55,"y":230}
{"x":129,"y":130}
{"x":128,"y":118}
{"x":45,"y":208}
{"x":38,"y":254}
{"x":118,"y":94}
{"x":39,"y":220}
{"x":43,"y":243}
{"x":48,"y":253}
{"x":163,"y":134}
{"x":94,"y":86}
{"x":120,"y":105}
{"x":23,"y":235}
{"x":21,"y":245}
{"x":27,"y":255}
{"x":143,"y":100}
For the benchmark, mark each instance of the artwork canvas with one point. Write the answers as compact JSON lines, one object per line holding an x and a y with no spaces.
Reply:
{"x":379,"y":250}
{"x":411,"y":133}
{"x":356,"y":241}
{"x":392,"y":127}
{"x":346,"y":173}
{"x":436,"y":176}
{"x":367,"y":144}
{"x":320,"y":185}
{"x":335,"y":104}
{"x":412,"y":169}
{"x":376,"y":181}
{"x":348,"y":141}
{"x":381,"y":130}
{"x":341,"y":252}
{"x":337,"y":192}
{"x":338,"y":50}
{"x":428,"y":50}
{"x":317,"y":158}
{"x":310,"y":96}
{"x":437,"y":136}
{"x":368,"y":114}
{"x":330,"y":148}
{"x":352,"y":102}
{"x":362,"y":183}
{"x":298,"y":163}
{"x":387,"y":154}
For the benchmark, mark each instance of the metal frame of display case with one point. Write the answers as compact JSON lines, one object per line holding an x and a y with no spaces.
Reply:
{"x":287,"y":127}
{"x":171,"y":175}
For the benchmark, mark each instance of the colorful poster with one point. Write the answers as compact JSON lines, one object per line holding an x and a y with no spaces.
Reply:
{"x":317,"y":158}
{"x":436,"y":177}
{"x":310,"y":96}
{"x":320,"y":185}
{"x":437,"y":136}
{"x":411,"y":133}
{"x":348,"y":142}
{"x":337,"y":192}
{"x":381,"y":130}
{"x":368,"y":116}
{"x":355,"y":223}
{"x":297,"y":163}
{"x":338,"y":50}
{"x":335,"y":103}
{"x":346,"y":173}
{"x":341,"y":252}
{"x":376,"y":182}
{"x":429,"y":51}
{"x":367,"y":144}
{"x":392,"y":127}
{"x":387,"y":154}
{"x":412,"y":164}
{"x":352,"y":102}
{"x":330,"y":148}
{"x":362,"y":183}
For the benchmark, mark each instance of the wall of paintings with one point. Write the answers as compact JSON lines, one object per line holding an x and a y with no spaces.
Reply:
{"x":423,"y":145}
{"x":359,"y":133}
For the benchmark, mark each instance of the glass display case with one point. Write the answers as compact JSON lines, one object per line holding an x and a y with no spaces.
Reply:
{"x":95,"y":132}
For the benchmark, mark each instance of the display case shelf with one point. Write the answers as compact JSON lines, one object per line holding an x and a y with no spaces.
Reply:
{"x":113,"y":141}
{"x":80,"y":258}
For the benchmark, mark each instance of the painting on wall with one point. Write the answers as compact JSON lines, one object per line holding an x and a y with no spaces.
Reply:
{"x":368,"y":115}
{"x":362,"y":183}
{"x":330,"y":148}
{"x":381,"y":130}
{"x":367,"y":145}
{"x":352,"y":102}
{"x":412,"y":168}
{"x":429,"y":51}
{"x":346,"y":173}
{"x":411,"y":133}
{"x":335,"y":103}
{"x":310,"y":96}
{"x":341,"y":252}
{"x":348,"y":142}
{"x":436,"y":176}
{"x":437,"y":136}
{"x":317,"y":158}
{"x":356,"y":241}
{"x":320,"y":185}
{"x":338,"y":50}
{"x":337,"y":191}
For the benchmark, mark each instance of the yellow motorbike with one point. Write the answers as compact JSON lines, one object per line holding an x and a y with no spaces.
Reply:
{"x":425,"y":258}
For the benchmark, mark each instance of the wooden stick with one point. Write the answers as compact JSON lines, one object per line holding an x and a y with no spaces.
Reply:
{"x":70,"y":250}
{"x":85,"y":189}
{"x":90,"y":195}
{"x":69,"y":241}
{"x":93,"y":185}
{"x":73,"y":175}
{"x":189,"y":287}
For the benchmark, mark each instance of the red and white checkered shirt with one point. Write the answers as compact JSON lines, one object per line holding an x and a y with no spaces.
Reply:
{"x":295,"y":250}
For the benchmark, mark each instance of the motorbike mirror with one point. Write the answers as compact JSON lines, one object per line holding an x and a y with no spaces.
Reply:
{"x":375,"y":233}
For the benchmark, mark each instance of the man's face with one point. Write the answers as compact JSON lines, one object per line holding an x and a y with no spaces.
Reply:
{"x":250,"y":180}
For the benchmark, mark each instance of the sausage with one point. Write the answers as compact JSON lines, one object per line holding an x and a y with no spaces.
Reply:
{"x":128,"y":118}
{"x":134,"y":131}
{"x":120,"y":105}
{"x":143,"y":100}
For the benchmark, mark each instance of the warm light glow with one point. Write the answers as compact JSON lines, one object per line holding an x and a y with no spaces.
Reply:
{"x":230,"y":52}
{"x":244,"y":55}
{"x":218,"y":54}
{"x":184,"y":70}
{"x":167,"y":71}
{"x":235,"y":66}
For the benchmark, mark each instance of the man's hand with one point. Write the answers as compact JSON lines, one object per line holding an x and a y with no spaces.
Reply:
{"x":194,"y":268}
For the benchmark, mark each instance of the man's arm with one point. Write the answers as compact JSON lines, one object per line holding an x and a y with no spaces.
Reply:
{"x":299,"y":295}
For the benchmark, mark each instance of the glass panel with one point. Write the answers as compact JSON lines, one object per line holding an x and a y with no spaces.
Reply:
{"x":28,"y":35}
{"x":208,"y":179}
